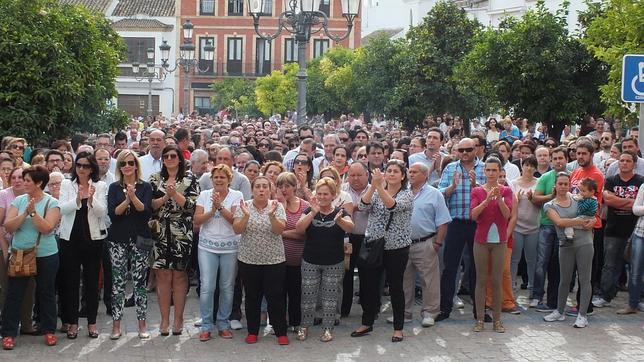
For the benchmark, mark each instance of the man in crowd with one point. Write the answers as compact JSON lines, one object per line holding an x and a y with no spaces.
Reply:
{"x":330,"y":142}
{"x":54,"y":160}
{"x":182,"y":135}
{"x":375,"y":156}
{"x":103,"y":160}
{"x":629,"y":144}
{"x":542,"y":155}
{"x":431,"y":155}
{"x":619,"y":195}
{"x":456,"y":184}
{"x":199,"y":163}
{"x":606,"y":142}
{"x":429,"y":220}
{"x":152,"y":162}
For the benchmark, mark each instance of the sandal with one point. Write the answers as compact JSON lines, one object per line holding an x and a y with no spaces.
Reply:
{"x":8,"y":343}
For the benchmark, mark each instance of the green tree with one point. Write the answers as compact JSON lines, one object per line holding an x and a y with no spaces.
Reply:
{"x":426,"y":63}
{"x":238,"y":94}
{"x":532,"y":67}
{"x":276,"y":92}
{"x":58,"y":69}
{"x":619,"y":30}
{"x":330,"y":83}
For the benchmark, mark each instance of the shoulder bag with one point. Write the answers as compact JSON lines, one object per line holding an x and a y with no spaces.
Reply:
{"x":370,"y":255}
{"x":22,"y":262}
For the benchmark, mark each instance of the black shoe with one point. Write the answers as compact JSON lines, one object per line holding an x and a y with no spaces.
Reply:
{"x":317,"y":321}
{"x":524,"y":286}
{"x":363,"y":333}
{"x":396,"y":339}
{"x":441,"y":316}
{"x":129,"y":302}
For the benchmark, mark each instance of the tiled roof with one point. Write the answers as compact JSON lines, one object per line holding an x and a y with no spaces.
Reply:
{"x":144,"y":7}
{"x":140,"y":24}
{"x":389,"y":33}
{"x":93,"y":5}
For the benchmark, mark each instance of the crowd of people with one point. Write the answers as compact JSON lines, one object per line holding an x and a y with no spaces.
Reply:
{"x":277,"y":218}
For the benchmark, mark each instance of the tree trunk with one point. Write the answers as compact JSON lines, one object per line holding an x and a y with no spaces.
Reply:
{"x":555,"y":128}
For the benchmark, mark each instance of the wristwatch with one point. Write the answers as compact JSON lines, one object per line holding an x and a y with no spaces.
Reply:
{"x":32,"y":214}
{"x":219,"y":208}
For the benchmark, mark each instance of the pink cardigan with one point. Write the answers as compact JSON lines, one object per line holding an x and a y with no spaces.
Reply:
{"x":491,"y":214}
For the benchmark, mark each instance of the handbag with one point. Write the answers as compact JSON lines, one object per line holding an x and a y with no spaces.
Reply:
{"x":370,"y":255}
{"x":144,"y":243}
{"x":22,"y":262}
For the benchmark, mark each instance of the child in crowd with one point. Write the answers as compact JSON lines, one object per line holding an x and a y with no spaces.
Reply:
{"x":586,"y":203}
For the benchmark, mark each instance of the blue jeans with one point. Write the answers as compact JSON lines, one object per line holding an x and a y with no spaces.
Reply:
{"x":209,"y":265}
{"x":460,"y":234}
{"x":613,"y":265}
{"x":636,"y":279}
{"x":547,"y":262}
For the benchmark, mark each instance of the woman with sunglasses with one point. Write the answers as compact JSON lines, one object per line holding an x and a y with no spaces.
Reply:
{"x":83,"y":209}
{"x":262,"y":263}
{"x":264,"y":145}
{"x":175,"y":192}
{"x":390,"y":201}
{"x":17,"y":147}
{"x":361,"y":155}
{"x":129,"y":206}
{"x":303,"y":170}
{"x":32,"y":218}
{"x":293,"y":246}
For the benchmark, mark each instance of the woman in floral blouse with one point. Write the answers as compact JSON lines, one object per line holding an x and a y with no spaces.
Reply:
{"x":262,"y":262}
{"x":175,"y":192}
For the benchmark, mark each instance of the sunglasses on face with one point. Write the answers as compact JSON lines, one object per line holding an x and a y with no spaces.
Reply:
{"x":362,"y":155}
{"x":301,"y":162}
{"x":17,"y":147}
{"x":170,"y":156}
{"x":605,"y":138}
{"x":127,"y":163}
{"x":550,"y":145}
{"x":465,"y":150}
{"x":85,"y":166}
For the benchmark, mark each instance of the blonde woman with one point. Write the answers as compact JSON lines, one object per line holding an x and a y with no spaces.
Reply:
{"x":129,"y":206}
{"x":342,"y":198}
{"x":324,"y":226}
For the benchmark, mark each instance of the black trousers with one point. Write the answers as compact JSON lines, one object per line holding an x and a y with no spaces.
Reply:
{"x":74,"y":254}
{"x":347,"y":283}
{"x":268,"y":281}
{"x":393,"y":265}
{"x":293,"y":294}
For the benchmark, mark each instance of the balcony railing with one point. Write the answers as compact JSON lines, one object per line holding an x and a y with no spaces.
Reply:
{"x":225,"y":69}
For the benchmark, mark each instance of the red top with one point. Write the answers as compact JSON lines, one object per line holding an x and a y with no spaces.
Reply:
{"x":491,"y":214}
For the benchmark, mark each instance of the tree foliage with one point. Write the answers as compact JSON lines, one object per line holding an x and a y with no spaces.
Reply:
{"x":277,"y":92}
{"x":58,"y":69}
{"x":618,"y":31}
{"x":238,"y":94}
{"x":426,"y":63}
{"x":532,"y":67}
{"x":330,"y":83}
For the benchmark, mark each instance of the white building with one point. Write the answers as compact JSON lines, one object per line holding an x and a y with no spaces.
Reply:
{"x":393,"y":14}
{"x":142,"y":24}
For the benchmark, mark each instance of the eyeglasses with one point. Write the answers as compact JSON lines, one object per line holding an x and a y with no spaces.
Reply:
{"x":128,"y":163}
{"x":465,"y":150}
{"x":362,"y":155}
{"x":263,"y":145}
{"x":85,"y":166}
{"x":17,"y":147}
{"x":170,"y":156}
{"x":301,"y":162}
{"x":550,"y":145}
{"x":235,"y":144}
{"x":52,"y":184}
{"x":605,"y":138}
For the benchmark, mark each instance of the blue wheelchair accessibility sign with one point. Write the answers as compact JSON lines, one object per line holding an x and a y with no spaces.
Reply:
{"x":633,"y":78}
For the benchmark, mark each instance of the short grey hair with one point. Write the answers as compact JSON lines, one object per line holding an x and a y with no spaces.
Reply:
{"x":56,"y":174}
{"x":335,"y":137}
{"x":423,"y":168}
{"x":198,"y":154}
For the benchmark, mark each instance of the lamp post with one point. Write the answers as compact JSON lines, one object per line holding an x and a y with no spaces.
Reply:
{"x":186,"y":60}
{"x":150,"y":73}
{"x":302,"y":19}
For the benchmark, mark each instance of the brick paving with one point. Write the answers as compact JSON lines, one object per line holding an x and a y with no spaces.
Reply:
{"x":528,"y":338}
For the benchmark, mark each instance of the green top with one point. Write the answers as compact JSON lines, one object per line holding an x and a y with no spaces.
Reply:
{"x":545,"y":184}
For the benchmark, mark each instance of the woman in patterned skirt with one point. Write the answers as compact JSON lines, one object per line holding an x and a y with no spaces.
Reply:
{"x":175,"y":192}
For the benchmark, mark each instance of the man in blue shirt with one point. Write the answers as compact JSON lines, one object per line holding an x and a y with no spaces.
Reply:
{"x":456,"y":184}
{"x":429,"y":220}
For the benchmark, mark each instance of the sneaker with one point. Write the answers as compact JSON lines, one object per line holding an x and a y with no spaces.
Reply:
{"x":555,"y":316}
{"x":533,"y":303}
{"x":198,"y":322}
{"x":641,"y":306}
{"x":251,"y":339}
{"x":458,"y":302}
{"x":282,"y":340}
{"x":543,"y":308}
{"x":581,"y":322}
{"x":427,"y":321}
{"x":514,"y":310}
{"x":391,"y":319}
{"x":235,"y":325}
{"x":600,"y":302}
{"x":268,"y":330}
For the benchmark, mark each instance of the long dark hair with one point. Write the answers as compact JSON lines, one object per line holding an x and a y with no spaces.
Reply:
{"x":181,"y":173}
{"x":94,"y":176}
{"x":309,"y":161}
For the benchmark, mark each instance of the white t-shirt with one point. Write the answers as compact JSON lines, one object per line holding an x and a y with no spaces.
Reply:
{"x":217,"y":234}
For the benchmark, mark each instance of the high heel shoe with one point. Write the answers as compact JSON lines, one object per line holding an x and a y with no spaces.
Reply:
{"x":115,"y":336}
{"x":164,"y":333}
{"x":177,"y":332}
{"x":357,"y":333}
{"x":396,"y":339}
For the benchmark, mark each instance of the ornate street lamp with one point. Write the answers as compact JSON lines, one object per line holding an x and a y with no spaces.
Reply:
{"x":150,"y":73}
{"x":187,"y":60}
{"x":303,"y":18}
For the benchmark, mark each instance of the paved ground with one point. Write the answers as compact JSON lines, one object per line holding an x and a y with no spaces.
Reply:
{"x":528,"y":337}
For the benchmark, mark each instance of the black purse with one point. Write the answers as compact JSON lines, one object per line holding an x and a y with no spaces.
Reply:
{"x":370,"y":255}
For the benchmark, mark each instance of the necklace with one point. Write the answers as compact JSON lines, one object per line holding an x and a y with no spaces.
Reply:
{"x":324,"y":216}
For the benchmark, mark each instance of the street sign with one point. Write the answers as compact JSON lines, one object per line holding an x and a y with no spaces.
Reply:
{"x":633,"y":78}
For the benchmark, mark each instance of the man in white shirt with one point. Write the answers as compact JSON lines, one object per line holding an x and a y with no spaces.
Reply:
{"x":152,"y":162}
{"x":431,"y":157}
{"x":605,"y":142}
